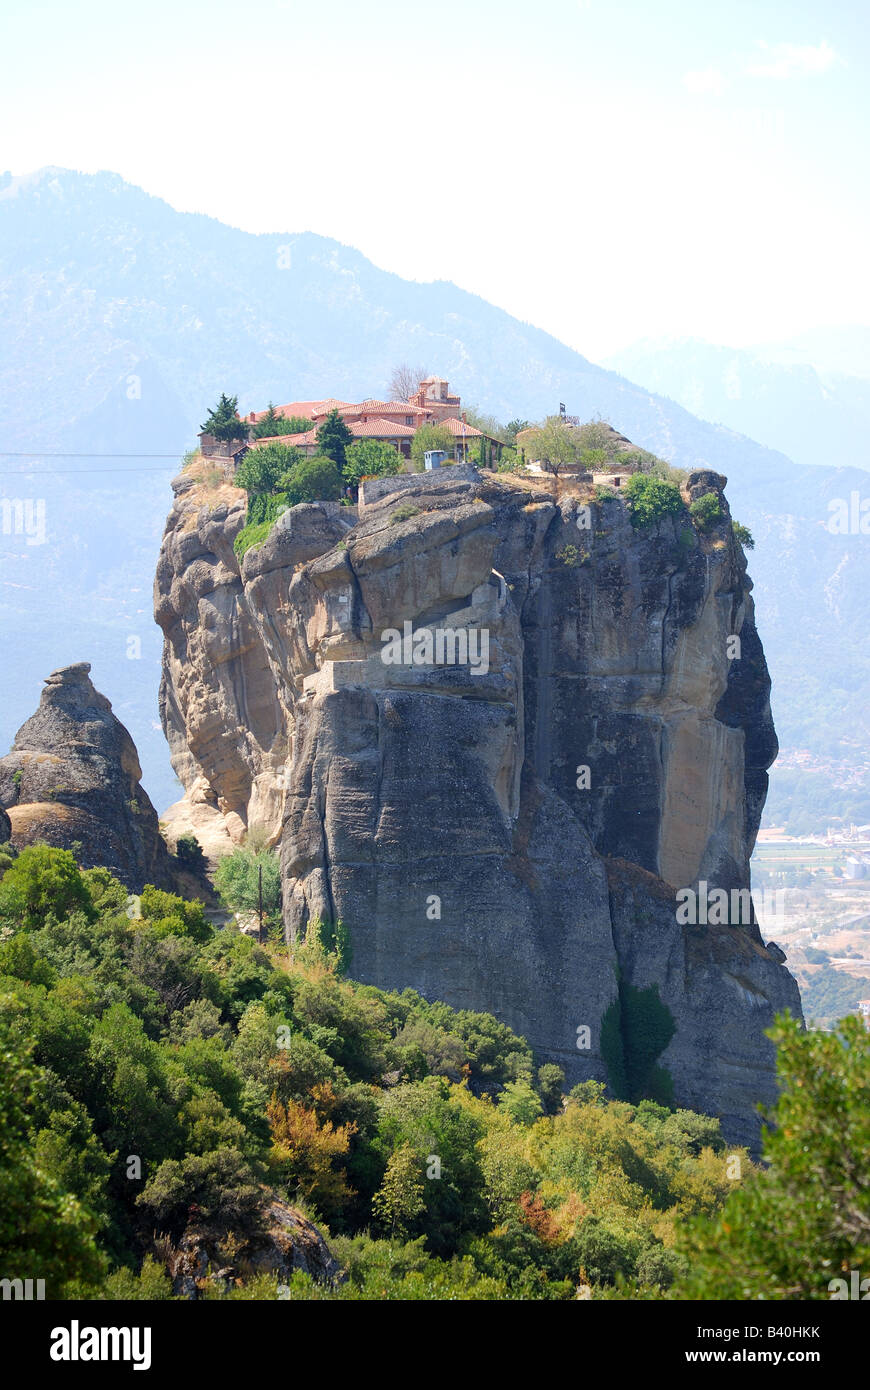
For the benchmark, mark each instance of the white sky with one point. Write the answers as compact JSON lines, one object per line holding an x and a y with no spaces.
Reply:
{"x":606,"y":170}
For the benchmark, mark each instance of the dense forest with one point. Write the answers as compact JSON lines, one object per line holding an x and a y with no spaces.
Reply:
{"x":164,"y":1081}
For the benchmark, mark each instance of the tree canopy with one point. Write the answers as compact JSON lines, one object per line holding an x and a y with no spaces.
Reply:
{"x":333,"y":438}
{"x":271,"y":424}
{"x":370,"y":458}
{"x":262,"y":469}
{"x":223,"y":421}
{"x":430,"y":437}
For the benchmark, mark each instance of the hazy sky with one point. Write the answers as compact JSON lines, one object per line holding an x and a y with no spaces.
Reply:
{"x":607,"y":169}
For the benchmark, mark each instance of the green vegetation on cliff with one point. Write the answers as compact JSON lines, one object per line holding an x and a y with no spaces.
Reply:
{"x":650,"y":499}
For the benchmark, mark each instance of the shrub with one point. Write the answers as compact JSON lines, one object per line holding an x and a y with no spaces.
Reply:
{"x":41,"y":883}
{"x":249,"y":536}
{"x":189,"y":854}
{"x":636,"y":1029}
{"x":743,"y":535}
{"x":313,"y":480}
{"x":262,"y":468}
{"x":186,"y":918}
{"x":223,"y":1184}
{"x":651,"y":499}
{"x":267,"y":506}
{"x":510,"y":461}
{"x":152,"y":1284}
{"x":403,"y":514}
{"x":706,"y":511}
{"x":332,"y":939}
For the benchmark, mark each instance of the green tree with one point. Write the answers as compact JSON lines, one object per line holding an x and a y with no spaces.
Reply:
{"x":487,"y":424}
{"x":521,"y":1102}
{"x":805,"y":1221}
{"x":333,"y":438}
{"x":425,"y":1116}
{"x":430,"y":437}
{"x":182,"y":917}
{"x":512,"y":429}
{"x":597,"y":434}
{"x":43,"y":882}
{"x":45,"y":1233}
{"x":706,"y":511}
{"x":650,"y":499}
{"x":399,"y":1199}
{"x":188,"y":852}
{"x":555,"y":443}
{"x":272,"y":424}
{"x":262,"y":468}
{"x":223,"y":421}
{"x":370,"y":458}
{"x":743,"y":535}
{"x":223,"y":1184}
{"x":237,"y":879}
{"x":313,"y":480}
{"x":551,"y":1082}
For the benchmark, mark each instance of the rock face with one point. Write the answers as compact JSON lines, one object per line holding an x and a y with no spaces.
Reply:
{"x":505,"y":832}
{"x":285,"y":1241}
{"x":72,"y":780}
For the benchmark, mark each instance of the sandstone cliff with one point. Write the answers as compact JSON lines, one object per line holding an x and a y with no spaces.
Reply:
{"x":507,"y":838}
{"x":72,"y":780}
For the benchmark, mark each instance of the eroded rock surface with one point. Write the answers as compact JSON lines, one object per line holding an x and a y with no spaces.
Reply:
{"x":505,"y":834}
{"x":284,"y":1241}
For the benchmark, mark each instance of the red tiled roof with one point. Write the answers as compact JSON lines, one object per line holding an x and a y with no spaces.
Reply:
{"x":380,"y":428}
{"x":387,"y":408}
{"x":374,"y":428}
{"x":309,"y":409}
{"x":309,"y":437}
{"x":294,"y":408}
{"x":324,"y":407}
{"x":457,"y":428}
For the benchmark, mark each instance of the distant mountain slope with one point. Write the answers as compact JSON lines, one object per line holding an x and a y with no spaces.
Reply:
{"x":815,"y":417}
{"x":842,"y":349}
{"x":124,"y":319}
